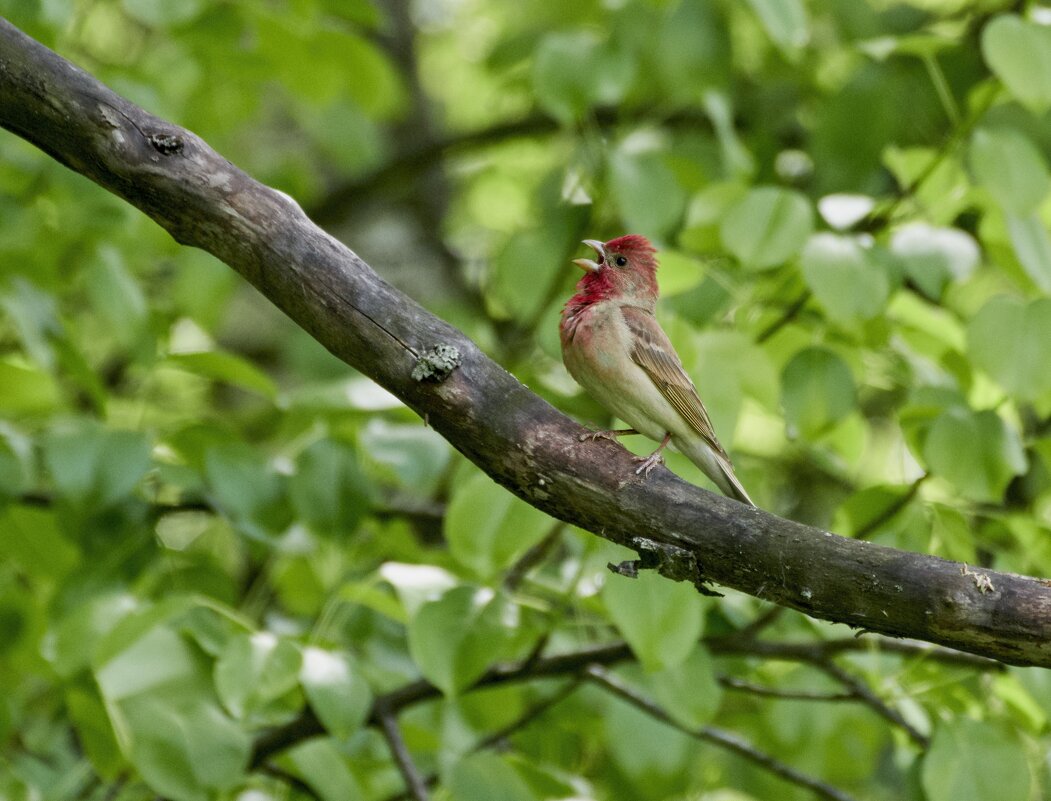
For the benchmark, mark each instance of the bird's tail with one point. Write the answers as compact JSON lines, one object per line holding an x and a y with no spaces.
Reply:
{"x":731,"y":485}
{"x":717,"y":468}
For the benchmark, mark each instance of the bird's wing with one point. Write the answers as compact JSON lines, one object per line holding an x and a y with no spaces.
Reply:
{"x":653,"y":352}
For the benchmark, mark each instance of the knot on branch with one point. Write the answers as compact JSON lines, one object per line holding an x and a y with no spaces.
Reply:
{"x":436,"y":364}
{"x":670,"y":561}
{"x":166,"y":144}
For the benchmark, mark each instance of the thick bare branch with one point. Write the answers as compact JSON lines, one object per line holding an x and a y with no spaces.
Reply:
{"x":516,"y":437}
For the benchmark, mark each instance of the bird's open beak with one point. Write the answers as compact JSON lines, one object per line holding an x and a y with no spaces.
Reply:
{"x":587,"y":264}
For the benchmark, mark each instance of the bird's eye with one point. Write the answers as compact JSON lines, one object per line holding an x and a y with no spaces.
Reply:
{"x":620,"y":261}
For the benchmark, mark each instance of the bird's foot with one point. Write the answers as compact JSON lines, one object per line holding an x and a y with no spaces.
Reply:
{"x":610,"y":434}
{"x":647,"y":463}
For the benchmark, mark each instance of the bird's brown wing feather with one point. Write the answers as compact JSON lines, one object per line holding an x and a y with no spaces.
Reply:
{"x":653,"y":352}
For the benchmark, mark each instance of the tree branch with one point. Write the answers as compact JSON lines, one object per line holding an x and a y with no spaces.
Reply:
{"x":738,"y":685}
{"x":513,"y":435}
{"x":864,"y":693}
{"x":574,"y":662}
{"x":500,"y":735}
{"x":417,"y":786}
{"x":716,"y":736}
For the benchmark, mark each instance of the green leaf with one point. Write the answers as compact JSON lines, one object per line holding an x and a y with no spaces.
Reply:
{"x":817,"y":391}
{"x":648,"y":195}
{"x":689,"y":691}
{"x":487,"y":527}
{"x":846,"y":278}
{"x":951,"y":536}
{"x":153,"y":660}
{"x":977,"y":452}
{"x":1007,"y":164}
{"x":27,"y":390}
{"x":228,"y":368}
{"x":255,"y":669}
{"x":455,"y":638}
{"x":417,"y":584}
{"x":243,"y":485}
{"x":867,"y":509}
{"x":843,"y":211}
{"x":785,"y":22}
{"x":184,"y":748}
{"x":644,"y":747}
{"x":933,"y":256}
{"x":118,"y":298}
{"x":378,"y":88}
{"x":662,"y":620}
{"x":522,"y":273}
{"x":93,"y":467}
{"x":767,"y":227}
{"x":1009,"y":339}
{"x":694,"y":55}
{"x":161,"y":13}
{"x":337,"y":693}
{"x":321,"y":765}
{"x":972,"y":760}
{"x":329,"y":491}
{"x":70,"y":645}
{"x":678,"y":273}
{"x":574,"y":70}
{"x":416,"y":456}
{"x":17,"y":467}
{"x":1019,"y":52}
{"x":94,"y":732}
{"x":1032,"y":246}
{"x":729,"y":367}
{"x":484,"y":777}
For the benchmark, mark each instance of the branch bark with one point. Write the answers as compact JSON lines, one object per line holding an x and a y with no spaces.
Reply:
{"x":513,"y":435}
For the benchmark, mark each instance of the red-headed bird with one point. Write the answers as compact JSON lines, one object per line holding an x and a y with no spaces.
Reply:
{"x":614,"y":347}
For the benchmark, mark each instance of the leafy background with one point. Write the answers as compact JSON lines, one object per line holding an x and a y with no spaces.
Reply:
{"x":209,"y":525}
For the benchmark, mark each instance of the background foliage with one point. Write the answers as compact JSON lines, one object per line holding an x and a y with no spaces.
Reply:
{"x":208,"y":525}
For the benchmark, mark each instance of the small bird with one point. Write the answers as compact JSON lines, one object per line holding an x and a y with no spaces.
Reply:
{"x":614,"y":347}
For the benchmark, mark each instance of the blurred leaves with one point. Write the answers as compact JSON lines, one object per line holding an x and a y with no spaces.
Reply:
{"x":970,"y":759}
{"x":817,"y":391}
{"x":660,"y":619}
{"x":767,"y":227}
{"x":210,"y":526}
{"x":1019,"y":52}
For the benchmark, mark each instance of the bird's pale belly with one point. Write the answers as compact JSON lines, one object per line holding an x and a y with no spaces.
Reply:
{"x":609,"y":375}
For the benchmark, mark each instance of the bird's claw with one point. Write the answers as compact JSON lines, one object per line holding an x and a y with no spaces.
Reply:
{"x":591,"y":436}
{"x":647,"y":463}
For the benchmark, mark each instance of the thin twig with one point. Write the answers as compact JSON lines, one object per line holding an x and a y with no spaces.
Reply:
{"x":786,"y":317}
{"x":425,"y":510}
{"x":865,"y":694}
{"x":291,"y":780}
{"x":878,"y":219}
{"x":716,"y":736}
{"x":822,"y":650}
{"x":892,"y":509}
{"x":532,"y":557}
{"x":731,"y":683}
{"x":307,"y":725}
{"x":765,"y":620}
{"x":414,"y":781}
{"x":501,"y":734}
{"x":45,"y":500}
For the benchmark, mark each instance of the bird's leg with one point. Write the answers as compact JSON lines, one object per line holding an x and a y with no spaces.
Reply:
{"x":610,"y":434}
{"x":654,"y":459}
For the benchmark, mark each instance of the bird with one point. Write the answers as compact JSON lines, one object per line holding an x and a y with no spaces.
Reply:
{"x":616,"y":350}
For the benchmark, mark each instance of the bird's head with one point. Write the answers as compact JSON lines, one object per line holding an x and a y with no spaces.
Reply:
{"x":625,"y":267}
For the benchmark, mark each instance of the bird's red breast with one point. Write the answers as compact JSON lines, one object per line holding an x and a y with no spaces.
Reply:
{"x":627,"y":270}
